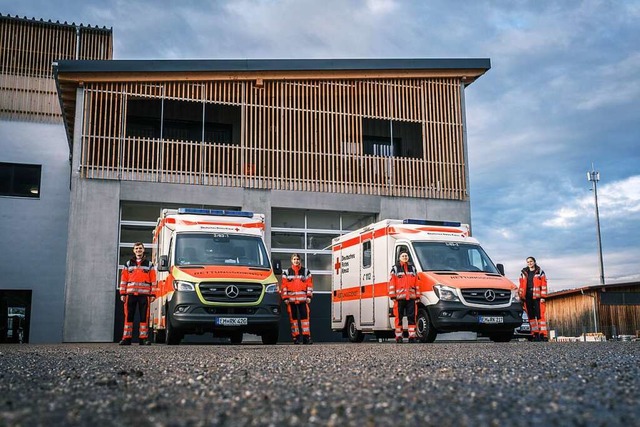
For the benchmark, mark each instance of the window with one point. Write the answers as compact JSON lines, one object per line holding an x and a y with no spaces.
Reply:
{"x":20,"y":180}
{"x":366,"y":254}
{"x":183,"y":120}
{"x":377,"y":141}
{"x":143,"y":117}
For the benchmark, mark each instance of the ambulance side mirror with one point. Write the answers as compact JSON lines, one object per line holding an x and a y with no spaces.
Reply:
{"x":500,"y":268}
{"x":277,"y":267}
{"x":164,"y":263}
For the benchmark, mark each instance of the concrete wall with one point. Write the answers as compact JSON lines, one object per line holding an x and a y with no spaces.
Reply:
{"x":34,"y":231}
{"x":92,"y":261}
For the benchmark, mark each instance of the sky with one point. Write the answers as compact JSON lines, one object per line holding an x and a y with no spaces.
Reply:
{"x":560,"y":98}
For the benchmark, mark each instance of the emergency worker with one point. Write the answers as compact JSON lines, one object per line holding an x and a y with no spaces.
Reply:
{"x":533,"y":291}
{"x":297,"y":291}
{"x":403,"y":289}
{"x":138,"y":288}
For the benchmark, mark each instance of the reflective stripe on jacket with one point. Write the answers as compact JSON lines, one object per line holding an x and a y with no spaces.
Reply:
{"x":539,"y":283}
{"x":297,"y":286}
{"x":404,"y":282}
{"x":138,"y":278}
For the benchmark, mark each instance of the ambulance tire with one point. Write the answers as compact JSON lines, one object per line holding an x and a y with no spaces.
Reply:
{"x":270,"y":337}
{"x":425,"y":330}
{"x":173,"y":335}
{"x":353,"y":333}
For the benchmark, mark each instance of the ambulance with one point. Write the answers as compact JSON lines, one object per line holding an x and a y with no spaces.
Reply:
{"x":214,"y":276}
{"x":461,"y":288}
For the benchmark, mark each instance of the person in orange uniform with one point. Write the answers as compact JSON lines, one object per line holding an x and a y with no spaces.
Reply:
{"x":533,"y":291}
{"x":138,"y":288}
{"x":297,"y":291}
{"x":403,"y":289}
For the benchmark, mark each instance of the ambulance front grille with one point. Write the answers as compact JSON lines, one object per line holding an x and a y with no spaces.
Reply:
{"x":486,"y":296}
{"x":230,"y":292}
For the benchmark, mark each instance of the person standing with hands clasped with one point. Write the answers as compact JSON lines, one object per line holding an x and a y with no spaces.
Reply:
{"x":297,"y":291}
{"x":137,"y":288}
{"x":403,"y":289}
{"x":533,"y":291}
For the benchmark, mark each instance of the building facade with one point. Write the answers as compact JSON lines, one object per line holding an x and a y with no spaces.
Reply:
{"x":35,"y":172}
{"x":319,"y":146}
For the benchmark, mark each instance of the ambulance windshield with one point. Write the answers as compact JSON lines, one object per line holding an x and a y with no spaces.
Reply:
{"x":450,"y":256}
{"x":220,"y":249}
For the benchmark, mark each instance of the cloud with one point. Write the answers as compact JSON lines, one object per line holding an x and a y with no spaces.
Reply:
{"x":616,"y":201}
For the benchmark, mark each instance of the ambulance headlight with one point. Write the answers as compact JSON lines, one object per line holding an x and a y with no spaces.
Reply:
{"x":515,"y":297}
{"x":181,"y":285}
{"x":271,"y":288}
{"x":446,"y":293}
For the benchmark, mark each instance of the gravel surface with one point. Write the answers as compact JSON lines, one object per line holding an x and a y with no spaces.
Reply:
{"x":381,"y":384}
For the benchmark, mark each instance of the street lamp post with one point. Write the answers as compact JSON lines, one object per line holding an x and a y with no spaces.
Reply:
{"x":594,"y":177}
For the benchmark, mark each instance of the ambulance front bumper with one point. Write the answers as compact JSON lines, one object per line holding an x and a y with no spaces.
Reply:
{"x":189,"y":314}
{"x":449,"y":316}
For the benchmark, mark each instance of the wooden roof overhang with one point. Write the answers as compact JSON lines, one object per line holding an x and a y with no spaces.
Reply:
{"x":70,"y":75}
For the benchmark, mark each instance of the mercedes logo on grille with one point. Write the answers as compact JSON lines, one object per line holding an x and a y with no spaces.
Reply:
{"x":232,"y":291}
{"x":490,"y":295}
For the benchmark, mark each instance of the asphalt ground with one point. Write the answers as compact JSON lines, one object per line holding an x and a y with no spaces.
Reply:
{"x":338,"y":384}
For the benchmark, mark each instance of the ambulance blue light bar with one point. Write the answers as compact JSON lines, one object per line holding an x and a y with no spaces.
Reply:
{"x":217,"y":212}
{"x":430,"y":222}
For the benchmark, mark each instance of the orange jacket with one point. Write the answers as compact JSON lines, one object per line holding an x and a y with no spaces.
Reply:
{"x":404,"y":282}
{"x":539,"y":283}
{"x":297,"y":285}
{"x":138,"y":278}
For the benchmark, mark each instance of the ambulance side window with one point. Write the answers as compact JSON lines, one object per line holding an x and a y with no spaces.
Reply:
{"x":366,"y":254}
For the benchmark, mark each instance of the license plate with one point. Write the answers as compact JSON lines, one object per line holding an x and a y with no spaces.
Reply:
{"x":490,"y":319}
{"x":231,"y":321}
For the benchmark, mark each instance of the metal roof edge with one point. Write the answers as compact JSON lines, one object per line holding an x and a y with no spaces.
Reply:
{"x":248,"y":65}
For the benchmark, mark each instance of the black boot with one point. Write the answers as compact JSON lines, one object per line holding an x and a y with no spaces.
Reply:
{"x":126,"y":341}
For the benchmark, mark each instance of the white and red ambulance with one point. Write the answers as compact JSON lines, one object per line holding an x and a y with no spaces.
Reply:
{"x":461,"y":288}
{"x":214,"y":275}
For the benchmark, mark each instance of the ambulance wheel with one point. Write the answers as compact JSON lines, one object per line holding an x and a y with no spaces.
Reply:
{"x":353,"y":333}
{"x":173,"y":335}
{"x":270,"y":337}
{"x":425,"y":330}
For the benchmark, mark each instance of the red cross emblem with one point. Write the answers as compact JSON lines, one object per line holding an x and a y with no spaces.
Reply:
{"x":337,"y":265}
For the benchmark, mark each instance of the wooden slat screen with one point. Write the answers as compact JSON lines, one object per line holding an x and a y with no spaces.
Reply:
{"x":28,"y":49}
{"x":295,"y":135}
